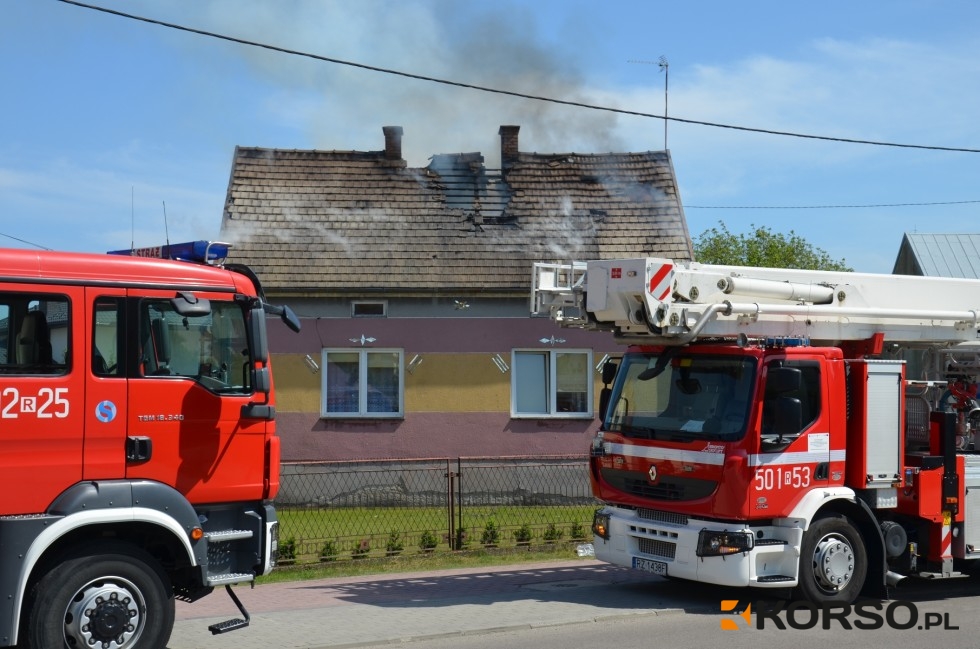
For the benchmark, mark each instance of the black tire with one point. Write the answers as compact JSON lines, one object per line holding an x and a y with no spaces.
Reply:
{"x":833,"y":562}
{"x":114,"y":592}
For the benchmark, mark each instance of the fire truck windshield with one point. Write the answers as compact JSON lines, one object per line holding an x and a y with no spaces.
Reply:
{"x":680,"y":396}
{"x":211,"y":349}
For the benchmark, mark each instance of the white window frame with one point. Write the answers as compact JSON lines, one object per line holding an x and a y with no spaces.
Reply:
{"x":356,"y":303}
{"x":552,"y":383}
{"x":362,"y":390}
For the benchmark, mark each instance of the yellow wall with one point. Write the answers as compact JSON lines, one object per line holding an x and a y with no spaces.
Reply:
{"x":440,"y":383}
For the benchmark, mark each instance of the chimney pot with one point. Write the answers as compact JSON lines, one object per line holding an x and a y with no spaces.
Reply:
{"x":508,"y":145}
{"x":393,"y":142}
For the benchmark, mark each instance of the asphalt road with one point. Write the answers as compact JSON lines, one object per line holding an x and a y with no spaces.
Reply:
{"x":575,"y":603}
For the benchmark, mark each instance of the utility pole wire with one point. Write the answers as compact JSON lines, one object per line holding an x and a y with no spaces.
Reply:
{"x":511,"y":93}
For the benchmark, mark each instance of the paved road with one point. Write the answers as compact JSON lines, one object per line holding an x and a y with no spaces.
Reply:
{"x":386,"y":609}
{"x":351,"y":611}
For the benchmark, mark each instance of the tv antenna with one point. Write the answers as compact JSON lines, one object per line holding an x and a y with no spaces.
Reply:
{"x":664,"y":66}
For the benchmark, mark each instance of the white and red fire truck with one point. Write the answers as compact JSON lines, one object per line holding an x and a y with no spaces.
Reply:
{"x":778,"y":428}
{"x":138,"y":451}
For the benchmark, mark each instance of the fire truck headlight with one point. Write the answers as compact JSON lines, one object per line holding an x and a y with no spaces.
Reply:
{"x":600,"y":525}
{"x":716,"y":544}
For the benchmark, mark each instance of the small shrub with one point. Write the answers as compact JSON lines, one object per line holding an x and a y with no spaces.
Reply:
{"x":523,"y":535}
{"x":462,"y":538}
{"x":577,"y":532}
{"x":362,"y":549}
{"x":287,"y":550}
{"x":491,"y":534}
{"x":329,"y":551}
{"x":552,"y":533}
{"x":428,"y":541}
{"x":394,"y":546}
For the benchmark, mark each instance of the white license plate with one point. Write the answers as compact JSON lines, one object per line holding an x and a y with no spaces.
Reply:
{"x":647,"y":565}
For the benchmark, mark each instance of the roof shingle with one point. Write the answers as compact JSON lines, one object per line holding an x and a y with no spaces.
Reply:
{"x":349,"y":221}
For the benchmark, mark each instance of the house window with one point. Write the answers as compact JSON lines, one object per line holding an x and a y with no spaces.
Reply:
{"x":551,"y":383}
{"x":363,"y":383}
{"x":369,"y":309}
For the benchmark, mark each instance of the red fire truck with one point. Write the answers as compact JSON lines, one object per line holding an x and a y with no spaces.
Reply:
{"x":139,"y":452}
{"x":776,"y":428}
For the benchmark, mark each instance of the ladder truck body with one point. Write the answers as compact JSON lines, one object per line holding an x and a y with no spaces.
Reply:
{"x":139,"y":451}
{"x":777,"y":428}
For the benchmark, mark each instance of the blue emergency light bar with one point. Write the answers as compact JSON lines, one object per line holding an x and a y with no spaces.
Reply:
{"x":201,"y":252}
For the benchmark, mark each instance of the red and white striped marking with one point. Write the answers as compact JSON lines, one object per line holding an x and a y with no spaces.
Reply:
{"x":661,"y":280}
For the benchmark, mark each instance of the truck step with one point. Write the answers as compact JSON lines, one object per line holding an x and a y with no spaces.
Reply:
{"x":222,"y":536}
{"x":234,"y":623}
{"x":228,"y":625}
{"x":759,"y":542}
{"x":774,"y":579}
{"x":230,"y":578}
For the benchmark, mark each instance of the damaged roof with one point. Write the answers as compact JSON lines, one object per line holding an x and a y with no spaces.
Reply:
{"x":329,"y":222}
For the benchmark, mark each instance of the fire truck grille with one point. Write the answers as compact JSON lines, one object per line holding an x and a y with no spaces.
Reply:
{"x":665,"y":488}
{"x":662,"y":517}
{"x":657,"y":548}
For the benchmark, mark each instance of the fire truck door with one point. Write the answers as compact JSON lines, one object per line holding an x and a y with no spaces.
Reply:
{"x":795,"y":441}
{"x":186,"y":399}
{"x":106,"y":442}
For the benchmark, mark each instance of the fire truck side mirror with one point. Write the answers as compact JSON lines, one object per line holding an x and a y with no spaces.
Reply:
{"x":290,"y":319}
{"x":260,"y":380}
{"x":788,"y":417}
{"x":256,"y":330}
{"x":609,"y":372}
{"x":780,"y":380}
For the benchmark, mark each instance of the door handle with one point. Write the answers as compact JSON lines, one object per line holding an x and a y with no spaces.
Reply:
{"x":138,"y":448}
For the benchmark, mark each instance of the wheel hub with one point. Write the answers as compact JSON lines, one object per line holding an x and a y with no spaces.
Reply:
{"x":833,"y":562}
{"x":105,"y":614}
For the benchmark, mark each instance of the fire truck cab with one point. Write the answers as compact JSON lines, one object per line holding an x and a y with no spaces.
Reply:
{"x":139,"y":456}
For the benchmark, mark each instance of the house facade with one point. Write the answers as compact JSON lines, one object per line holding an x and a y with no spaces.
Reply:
{"x":413,"y":287}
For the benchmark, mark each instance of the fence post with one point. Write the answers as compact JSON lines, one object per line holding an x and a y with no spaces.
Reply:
{"x":451,"y":510}
{"x":458,"y":531}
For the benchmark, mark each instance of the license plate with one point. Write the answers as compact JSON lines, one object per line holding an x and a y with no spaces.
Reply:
{"x":647,"y":565}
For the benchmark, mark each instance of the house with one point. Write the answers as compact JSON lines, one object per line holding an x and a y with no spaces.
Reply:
{"x":939,"y":255}
{"x":413,"y":288}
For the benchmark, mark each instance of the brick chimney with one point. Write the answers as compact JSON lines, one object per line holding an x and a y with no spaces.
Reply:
{"x":508,"y":145}
{"x":393,"y":142}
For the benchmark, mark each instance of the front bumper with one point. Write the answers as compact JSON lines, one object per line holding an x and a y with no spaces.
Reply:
{"x":665,"y":543}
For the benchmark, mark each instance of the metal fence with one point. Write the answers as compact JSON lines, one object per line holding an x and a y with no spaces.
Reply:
{"x":349,"y":510}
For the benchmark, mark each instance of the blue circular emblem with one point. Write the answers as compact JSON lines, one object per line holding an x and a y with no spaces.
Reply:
{"x":105,"y":412}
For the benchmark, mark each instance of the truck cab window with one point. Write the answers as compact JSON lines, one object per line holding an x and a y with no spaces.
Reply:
{"x":107,"y":339}
{"x":211,"y":349}
{"x":807,"y":394}
{"x":34,"y":334}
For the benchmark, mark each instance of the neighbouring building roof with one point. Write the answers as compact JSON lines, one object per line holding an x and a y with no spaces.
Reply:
{"x":327,"y":222}
{"x":939,"y":255}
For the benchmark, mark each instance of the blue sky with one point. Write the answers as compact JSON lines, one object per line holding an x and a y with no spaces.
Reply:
{"x":105,"y":120}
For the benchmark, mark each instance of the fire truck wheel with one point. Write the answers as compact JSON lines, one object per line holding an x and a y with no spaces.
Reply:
{"x":833,"y":562}
{"x":100,"y":599}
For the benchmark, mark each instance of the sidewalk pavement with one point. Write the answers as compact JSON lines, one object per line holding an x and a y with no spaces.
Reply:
{"x":383,"y":609}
